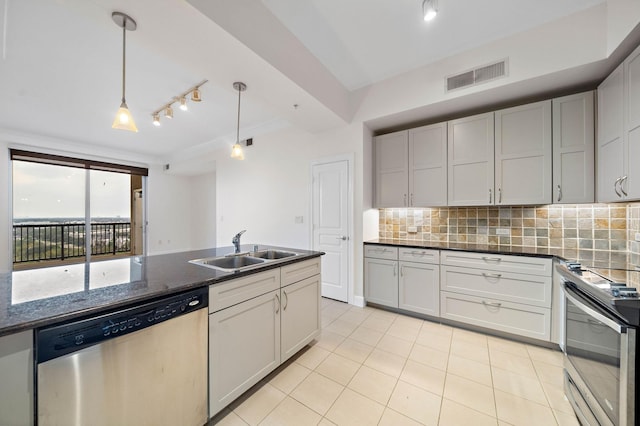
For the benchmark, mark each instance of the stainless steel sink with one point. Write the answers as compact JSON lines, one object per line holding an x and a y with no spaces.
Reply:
{"x":271,"y":254}
{"x":238,"y":262}
{"x":228,"y":263}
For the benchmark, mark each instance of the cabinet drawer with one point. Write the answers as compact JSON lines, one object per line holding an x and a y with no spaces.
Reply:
{"x":300,"y":270}
{"x":498,"y":262}
{"x":419,"y":255}
{"x":515,"y":318}
{"x":232,"y":292}
{"x":520,"y":288}
{"x":381,"y":252}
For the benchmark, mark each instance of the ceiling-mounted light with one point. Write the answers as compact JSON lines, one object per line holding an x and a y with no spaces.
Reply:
{"x":168,"y":112}
{"x":236,"y":150}
{"x":124,"y":120}
{"x":195,"y":95}
{"x":429,"y":9}
{"x":183,"y":103}
{"x":156,"y":119}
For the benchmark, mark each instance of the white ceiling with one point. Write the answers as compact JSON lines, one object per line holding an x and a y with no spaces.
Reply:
{"x":60,"y":64}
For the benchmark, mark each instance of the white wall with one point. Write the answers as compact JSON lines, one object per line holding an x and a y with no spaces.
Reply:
{"x":622,"y":17}
{"x":5,"y":209}
{"x":203,"y":211}
{"x":168,"y":212}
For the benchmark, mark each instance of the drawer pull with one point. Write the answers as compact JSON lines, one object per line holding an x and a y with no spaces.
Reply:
{"x":492,"y":304}
{"x":491,"y":259}
{"x":491,"y":275}
{"x":418,"y":253}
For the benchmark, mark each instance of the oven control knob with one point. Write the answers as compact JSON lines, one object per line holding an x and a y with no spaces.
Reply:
{"x":628,"y":292}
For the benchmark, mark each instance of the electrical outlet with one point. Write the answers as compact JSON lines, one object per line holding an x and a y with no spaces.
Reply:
{"x":299,"y":219}
{"x":503,"y":231}
{"x":412,"y":229}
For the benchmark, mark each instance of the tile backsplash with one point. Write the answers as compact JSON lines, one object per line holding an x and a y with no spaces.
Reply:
{"x":610,"y":227}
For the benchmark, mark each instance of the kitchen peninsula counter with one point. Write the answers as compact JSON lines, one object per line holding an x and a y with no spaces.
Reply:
{"x":39,"y":297}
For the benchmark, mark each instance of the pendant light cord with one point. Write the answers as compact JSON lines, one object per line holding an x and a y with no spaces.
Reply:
{"x":124,"y":63}
{"x":238,"y":126}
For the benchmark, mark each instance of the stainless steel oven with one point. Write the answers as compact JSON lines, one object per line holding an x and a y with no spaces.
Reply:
{"x":602,"y":317}
{"x":600,"y":363}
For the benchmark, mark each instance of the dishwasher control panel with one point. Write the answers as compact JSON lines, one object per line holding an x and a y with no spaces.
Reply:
{"x":59,"y":340}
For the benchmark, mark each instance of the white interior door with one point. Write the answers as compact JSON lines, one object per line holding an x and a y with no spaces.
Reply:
{"x":331,"y":231}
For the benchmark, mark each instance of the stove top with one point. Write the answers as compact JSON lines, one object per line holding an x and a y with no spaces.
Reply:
{"x":616,"y":290}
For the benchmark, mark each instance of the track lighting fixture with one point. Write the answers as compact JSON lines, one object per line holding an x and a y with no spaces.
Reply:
{"x":181,"y":99}
{"x":124,"y":120}
{"x":429,"y":9}
{"x":236,"y":150}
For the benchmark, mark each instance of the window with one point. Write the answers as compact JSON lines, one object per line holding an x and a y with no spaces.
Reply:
{"x":72,"y":210}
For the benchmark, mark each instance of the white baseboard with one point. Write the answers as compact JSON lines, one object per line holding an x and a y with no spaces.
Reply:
{"x":358,"y":301}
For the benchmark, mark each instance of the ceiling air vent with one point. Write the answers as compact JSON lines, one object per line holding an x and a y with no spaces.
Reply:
{"x":476,"y":76}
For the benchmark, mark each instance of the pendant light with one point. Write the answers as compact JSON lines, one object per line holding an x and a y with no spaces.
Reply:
{"x":429,"y":9}
{"x":124,"y":120}
{"x":236,"y":151}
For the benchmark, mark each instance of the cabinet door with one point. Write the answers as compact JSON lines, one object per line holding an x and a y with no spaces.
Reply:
{"x":419,"y":288}
{"x":573,"y":149}
{"x":523,"y":154}
{"x":391,"y":154}
{"x":630,"y":186}
{"x":470,"y":161}
{"x":300,"y":321}
{"x":610,"y":153}
{"x":428,"y":166}
{"x":244,"y":346}
{"x":16,"y":383}
{"x":381,"y":281}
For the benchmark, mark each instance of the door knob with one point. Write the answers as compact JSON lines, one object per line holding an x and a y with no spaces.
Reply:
{"x":343,"y":238}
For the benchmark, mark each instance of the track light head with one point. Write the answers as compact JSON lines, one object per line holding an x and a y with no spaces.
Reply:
{"x":156,"y":119}
{"x":168,"y":112}
{"x":195,"y":95}
{"x":183,"y":103}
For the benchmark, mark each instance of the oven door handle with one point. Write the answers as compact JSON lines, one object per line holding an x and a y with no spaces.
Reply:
{"x":574,"y":297}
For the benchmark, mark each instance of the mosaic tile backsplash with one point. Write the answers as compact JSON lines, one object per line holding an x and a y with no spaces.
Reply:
{"x":609,"y":227}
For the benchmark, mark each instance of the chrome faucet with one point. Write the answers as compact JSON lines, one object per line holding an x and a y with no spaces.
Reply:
{"x":236,"y":240}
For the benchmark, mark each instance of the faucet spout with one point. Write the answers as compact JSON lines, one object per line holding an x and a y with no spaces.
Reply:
{"x":236,"y":240}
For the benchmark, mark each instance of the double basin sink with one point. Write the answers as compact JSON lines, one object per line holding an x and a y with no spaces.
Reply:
{"x":241,"y":261}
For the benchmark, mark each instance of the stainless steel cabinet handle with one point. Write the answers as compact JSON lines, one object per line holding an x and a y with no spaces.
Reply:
{"x":395,"y":269}
{"x":286,"y":301}
{"x":500,"y":195}
{"x":405,"y":200}
{"x":491,"y":259}
{"x":411,"y":203}
{"x":490,"y":196}
{"x":559,"y":193}
{"x":491,"y":275}
{"x":493,"y":304}
{"x":622,"y":181}
{"x":418,"y":253}
{"x":402,"y":271}
{"x":615,"y":187}
{"x":278,"y":308}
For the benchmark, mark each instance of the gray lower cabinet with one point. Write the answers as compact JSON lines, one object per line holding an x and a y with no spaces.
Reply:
{"x":258,"y":322}
{"x":381,"y":281}
{"x":16,"y":379}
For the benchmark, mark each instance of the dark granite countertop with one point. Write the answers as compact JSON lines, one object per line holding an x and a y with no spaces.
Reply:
{"x":589,"y":258}
{"x":38,"y":297}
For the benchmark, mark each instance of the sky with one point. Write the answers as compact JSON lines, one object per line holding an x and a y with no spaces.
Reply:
{"x":47,"y":191}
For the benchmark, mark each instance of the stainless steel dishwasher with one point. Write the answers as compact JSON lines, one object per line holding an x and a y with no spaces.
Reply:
{"x":144,"y":365}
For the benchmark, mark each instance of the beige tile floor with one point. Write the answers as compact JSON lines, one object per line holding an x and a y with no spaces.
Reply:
{"x":373,"y":367}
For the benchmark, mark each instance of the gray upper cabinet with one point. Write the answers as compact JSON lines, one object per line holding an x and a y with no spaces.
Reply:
{"x":610,"y":140}
{"x":573,"y":149}
{"x":523,"y":154}
{"x":471,"y":161}
{"x":619,"y":133}
{"x":411,"y":167}
{"x":392,"y":170}
{"x":428,"y":166}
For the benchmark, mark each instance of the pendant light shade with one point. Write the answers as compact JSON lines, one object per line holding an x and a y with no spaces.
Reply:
{"x":236,"y":150}
{"x":124,"y":120}
{"x":429,"y":9}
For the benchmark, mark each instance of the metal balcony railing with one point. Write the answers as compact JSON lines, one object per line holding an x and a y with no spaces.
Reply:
{"x":32,"y":243}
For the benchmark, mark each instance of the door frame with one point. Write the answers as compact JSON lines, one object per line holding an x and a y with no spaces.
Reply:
{"x":350,"y":159}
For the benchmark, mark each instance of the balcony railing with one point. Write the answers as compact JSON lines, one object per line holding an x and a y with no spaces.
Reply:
{"x":32,"y":243}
